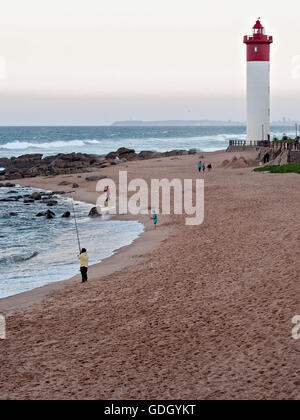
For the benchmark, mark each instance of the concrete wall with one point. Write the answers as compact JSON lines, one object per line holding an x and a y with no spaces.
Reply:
{"x":294,"y":157}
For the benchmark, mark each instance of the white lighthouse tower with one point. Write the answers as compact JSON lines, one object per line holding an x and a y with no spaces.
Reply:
{"x":258,"y":84}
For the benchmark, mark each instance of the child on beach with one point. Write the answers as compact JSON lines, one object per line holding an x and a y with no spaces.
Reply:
{"x":155,"y":220}
{"x":209,"y":167}
{"x":203,"y":167}
{"x":200,"y":166}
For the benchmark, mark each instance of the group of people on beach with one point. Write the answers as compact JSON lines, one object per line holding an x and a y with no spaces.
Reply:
{"x":202,"y":166}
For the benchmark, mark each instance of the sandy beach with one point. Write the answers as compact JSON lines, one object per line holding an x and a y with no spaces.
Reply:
{"x":210,"y":320}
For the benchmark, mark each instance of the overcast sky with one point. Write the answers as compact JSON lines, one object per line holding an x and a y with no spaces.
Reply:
{"x":96,"y":61}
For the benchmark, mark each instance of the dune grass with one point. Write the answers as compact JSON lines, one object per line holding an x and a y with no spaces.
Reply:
{"x":277,"y":169}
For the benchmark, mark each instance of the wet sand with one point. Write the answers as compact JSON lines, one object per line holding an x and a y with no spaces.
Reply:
{"x":210,"y":320}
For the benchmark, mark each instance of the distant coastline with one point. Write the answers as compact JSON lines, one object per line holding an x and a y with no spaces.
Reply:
{"x":191,"y":123}
{"x":176,"y":123}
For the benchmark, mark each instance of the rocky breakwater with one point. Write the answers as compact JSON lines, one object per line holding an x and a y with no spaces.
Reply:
{"x":28,"y":166}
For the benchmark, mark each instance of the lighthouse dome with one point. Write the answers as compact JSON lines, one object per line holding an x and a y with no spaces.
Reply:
{"x":258,"y":27}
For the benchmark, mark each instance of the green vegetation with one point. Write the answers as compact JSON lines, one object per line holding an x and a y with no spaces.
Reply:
{"x":286,"y":139}
{"x":277,"y":169}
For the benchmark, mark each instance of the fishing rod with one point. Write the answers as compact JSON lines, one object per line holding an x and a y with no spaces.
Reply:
{"x":76,"y":226}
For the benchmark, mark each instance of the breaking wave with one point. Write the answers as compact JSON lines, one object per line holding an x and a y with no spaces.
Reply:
{"x":16,"y":145}
{"x":11,"y":259}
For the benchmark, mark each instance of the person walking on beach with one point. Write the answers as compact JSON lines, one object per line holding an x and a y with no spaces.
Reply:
{"x":203,"y":167}
{"x":200,"y":166}
{"x":209,"y":167}
{"x":155,"y":220}
{"x":84,"y":263}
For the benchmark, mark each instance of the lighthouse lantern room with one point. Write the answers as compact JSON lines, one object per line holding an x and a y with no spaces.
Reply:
{"x":258,"y":83}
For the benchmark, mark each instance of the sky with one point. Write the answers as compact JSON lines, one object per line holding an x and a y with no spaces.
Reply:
{"x":97,"y":61}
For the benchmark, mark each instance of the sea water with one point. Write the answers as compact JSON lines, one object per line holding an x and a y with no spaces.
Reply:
{"x":16,"y":141}
{"x":35,"y":251}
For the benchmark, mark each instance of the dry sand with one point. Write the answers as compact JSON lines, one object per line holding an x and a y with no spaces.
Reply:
{"x":211,"y":320}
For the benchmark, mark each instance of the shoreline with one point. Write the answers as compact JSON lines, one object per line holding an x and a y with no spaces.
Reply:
{"x":134,"y":253}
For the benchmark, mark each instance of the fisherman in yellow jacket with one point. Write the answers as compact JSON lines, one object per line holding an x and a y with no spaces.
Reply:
{"x":84,"y":263}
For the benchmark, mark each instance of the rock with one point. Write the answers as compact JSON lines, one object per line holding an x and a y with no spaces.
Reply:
{"x":75,"y":185}
{"x":67,"y":214}
{"x":94,"y":212}
{"x":13,"y":214}
{"x":52,"y":203}
{"x":7,"y":185}
{"x":27,"y":201}
{"x":65,"y":183}
{"x":192,"y":151}
{"x":95,"y":178}
{"x":124,"y":151}
{"x":36,"y":196}
{"x":49,"y":214}
{"x":112,"y":155}
{"x":121,"y":153}
{"x":146,"y":154}
{"x":40,"y":215}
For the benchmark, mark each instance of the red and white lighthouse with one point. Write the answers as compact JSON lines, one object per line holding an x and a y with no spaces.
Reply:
{"x":258,"y":83}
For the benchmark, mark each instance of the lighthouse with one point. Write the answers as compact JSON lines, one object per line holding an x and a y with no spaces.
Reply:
{"x":258,"y":83}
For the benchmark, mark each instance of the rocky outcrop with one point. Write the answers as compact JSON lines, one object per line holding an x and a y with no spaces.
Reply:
{"x":28,"y":166}
{"x":35,"y":165}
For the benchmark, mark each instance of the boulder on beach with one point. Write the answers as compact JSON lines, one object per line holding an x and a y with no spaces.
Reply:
{"x":66,"y":215}
{"x":75,"y":185}
{"x":13,"y":214}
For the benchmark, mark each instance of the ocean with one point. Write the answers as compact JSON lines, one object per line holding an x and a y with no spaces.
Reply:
{"x":100,"y":140}
{"x":35,"y":251}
